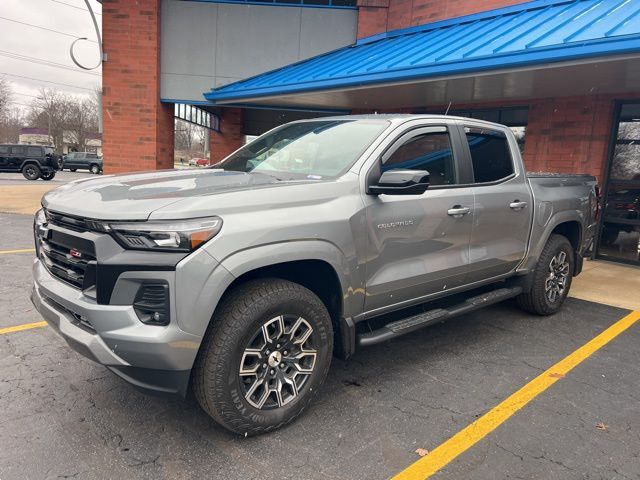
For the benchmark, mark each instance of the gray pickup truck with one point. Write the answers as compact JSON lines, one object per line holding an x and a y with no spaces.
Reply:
{"x":239,"y":282}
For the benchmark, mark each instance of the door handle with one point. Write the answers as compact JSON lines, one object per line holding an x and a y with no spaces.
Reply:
{"x":517,"y":205}
{"x":457,"y":211}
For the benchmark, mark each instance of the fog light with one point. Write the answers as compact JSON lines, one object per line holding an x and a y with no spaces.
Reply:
{"x":152,"y":303}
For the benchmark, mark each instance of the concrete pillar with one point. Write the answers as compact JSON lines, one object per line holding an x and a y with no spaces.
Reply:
{"x":229,"y":138}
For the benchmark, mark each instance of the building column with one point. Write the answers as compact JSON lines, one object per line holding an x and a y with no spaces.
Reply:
{"x":229,"y":138}
{"x":372,"y":17}
{"x":137,"y":128}
{"x":569,"y":134}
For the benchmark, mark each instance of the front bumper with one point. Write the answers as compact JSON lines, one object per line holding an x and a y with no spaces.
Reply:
{"x":153,"y":358}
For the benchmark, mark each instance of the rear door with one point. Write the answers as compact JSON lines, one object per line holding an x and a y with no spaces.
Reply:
{"x":72,"y":160}
{"x":502,"y":202}
{"x":418,"y":244}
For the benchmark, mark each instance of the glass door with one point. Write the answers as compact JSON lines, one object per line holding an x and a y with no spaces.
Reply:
{"x":620,"y":233}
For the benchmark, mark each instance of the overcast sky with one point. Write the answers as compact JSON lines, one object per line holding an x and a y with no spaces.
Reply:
{"x":17,"y":39}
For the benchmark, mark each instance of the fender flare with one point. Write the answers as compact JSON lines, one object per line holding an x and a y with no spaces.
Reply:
{"x":555,"y":220}
{"x":261,"y":256}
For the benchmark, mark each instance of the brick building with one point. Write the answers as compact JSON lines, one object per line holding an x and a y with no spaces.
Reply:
{"x":565,"y":74}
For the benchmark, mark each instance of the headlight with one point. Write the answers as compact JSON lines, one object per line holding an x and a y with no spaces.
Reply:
{"x":174,"y":236}
{"x":40,"y":218}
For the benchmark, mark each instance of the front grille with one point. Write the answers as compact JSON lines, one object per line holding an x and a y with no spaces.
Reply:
{"x":66,"y":263}
{"x":72,"y":223}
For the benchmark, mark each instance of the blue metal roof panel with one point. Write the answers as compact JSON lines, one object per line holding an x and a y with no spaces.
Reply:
{"x":541,"y":31}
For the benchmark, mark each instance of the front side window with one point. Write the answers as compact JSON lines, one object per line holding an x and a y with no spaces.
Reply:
{"x":34,"y":151}
{"x":490,"y":154}
{"x":315,"y":149}
{"x":429,"y":151}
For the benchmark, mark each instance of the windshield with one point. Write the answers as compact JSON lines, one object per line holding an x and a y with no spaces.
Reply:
{"x":317,"y":149}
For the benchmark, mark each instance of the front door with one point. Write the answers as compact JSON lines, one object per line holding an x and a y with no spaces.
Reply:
{"x":418,"y":244}
{"x":16,"y":157}
{"x":620,"y":233}
{"x":4,"y":156}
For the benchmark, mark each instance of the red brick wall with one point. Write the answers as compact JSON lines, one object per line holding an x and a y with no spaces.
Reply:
{"x":230,"y":137}
{"x":138,"y":129}
{"x":375,"y":16}
{"x":569,"y":134}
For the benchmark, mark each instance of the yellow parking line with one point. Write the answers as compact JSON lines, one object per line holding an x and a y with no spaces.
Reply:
{"x":472,"y":434}
{"x":24,"y":326}
{"x":22,"y":250}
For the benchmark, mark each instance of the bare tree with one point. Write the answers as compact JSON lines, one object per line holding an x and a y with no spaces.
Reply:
{"x":82,"y":120}
{"x":10,"y":124}
{"x":6,"y":96}
{"x":184,"y":135}
{"x":51,"y":111}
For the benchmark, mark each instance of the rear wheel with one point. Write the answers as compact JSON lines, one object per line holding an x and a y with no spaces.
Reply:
{"x":48,"y":176}
{"x":264,"y":357}
{"x":72,"y":169}
{"x":31,"y":171}
{"x":551,"y":278}
{"x":95,"y":169}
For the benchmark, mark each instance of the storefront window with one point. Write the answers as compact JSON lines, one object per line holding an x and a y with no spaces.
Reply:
{"x":620,"y":237}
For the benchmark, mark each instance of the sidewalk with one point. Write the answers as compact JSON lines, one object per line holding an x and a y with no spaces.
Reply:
{"x":609,"y":283}
{"x":23,"y":199}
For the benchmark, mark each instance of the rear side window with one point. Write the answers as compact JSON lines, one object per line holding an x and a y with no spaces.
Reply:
{"x":429,"y":151}
{"x":34,"y":151}
{"x":490,"y":154}
{"x":17,"y":150}
{"x":92,"y":155}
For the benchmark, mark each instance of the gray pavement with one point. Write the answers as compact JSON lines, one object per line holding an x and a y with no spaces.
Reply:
{"x":66,"y":417}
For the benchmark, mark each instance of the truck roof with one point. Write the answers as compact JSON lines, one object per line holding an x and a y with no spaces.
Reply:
{"x":403,"y":117}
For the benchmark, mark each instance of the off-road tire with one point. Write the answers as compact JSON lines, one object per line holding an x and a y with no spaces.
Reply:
{"x":216,"y":381}
{"x":48,"y":176}
{"x":72,"y":169}
{"x":536,"y":300}
{"x":31,"y":171}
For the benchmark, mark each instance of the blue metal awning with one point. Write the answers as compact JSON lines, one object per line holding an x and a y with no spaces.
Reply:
{"x":532,"y":35}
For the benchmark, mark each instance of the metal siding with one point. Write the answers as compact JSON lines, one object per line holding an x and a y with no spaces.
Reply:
{"x":536,"y":32}
{"x":205,"y":44}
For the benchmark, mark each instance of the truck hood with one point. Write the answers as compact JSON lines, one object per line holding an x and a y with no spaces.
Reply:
{"x":137,"y":196}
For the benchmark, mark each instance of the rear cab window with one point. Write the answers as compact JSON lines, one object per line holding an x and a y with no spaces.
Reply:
{"x":490,"y":154}
{"x":17,"y":150}
{"x":34,"y":151}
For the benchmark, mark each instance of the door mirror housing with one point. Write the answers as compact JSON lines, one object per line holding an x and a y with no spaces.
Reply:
{"x":401,"y":182}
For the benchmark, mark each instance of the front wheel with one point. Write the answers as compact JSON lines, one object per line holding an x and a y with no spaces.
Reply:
{"x":48,"y":176}
{"x":31,"y":172}
{"x":264,"y":357}
{"x":551,"y":278}
{"x":95,"y":169}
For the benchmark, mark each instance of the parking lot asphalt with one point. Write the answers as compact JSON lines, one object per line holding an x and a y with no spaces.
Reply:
{"x":66,"y":417}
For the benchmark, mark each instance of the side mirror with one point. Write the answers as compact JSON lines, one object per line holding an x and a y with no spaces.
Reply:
{"x":401,"y":182}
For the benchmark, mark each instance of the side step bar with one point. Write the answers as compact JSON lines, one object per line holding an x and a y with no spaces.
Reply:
{"x":415,"y":322}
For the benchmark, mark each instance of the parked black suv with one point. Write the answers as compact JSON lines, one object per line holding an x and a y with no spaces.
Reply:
{"x":34,"y":161}
{"x":82,"y":161}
